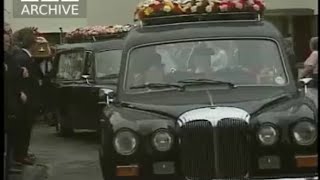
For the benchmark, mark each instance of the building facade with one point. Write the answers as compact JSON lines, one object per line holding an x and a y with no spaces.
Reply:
{"x":295,"y":19}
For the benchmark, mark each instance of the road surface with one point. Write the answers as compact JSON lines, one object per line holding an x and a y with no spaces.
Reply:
{"x":74,"y":158}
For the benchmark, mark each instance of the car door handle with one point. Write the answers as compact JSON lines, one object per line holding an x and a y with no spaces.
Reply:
{"x":102,"y":103}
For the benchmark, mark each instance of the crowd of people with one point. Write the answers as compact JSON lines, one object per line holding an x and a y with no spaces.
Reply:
{"x":23,"y":83}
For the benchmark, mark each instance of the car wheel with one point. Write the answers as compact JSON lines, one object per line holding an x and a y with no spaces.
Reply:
{"x":61,"y":128}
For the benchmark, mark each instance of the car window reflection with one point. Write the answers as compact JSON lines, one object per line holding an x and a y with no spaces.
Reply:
{"x":242,"y":62}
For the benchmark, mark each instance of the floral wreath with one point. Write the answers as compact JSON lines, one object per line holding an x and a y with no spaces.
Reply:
{"x":158,"y":8}
{"x":97,"y":32}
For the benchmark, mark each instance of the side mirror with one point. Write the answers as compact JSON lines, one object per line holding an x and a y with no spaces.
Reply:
{"x":106,"y":96}
{"x":304,"y":83}
{"x":86,"y":77}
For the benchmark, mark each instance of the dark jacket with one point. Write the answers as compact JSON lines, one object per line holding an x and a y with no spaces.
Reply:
{"x":30,"y":85}
{"x":12,"y":87}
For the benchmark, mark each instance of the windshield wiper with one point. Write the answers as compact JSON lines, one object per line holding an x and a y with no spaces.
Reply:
{"x":109,"y":76}
{"x":158,"y":86}
{"x":206,"y":81}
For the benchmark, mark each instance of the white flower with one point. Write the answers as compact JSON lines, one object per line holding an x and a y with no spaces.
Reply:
{"x":199,"y":4}
{"x":256,"y":7}
{"x":209,"y":9}
{"x":167,"y":8}
{"x":186,"y":2}
{"x":194,"y":9}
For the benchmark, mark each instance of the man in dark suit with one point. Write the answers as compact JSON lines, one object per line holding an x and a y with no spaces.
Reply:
{"x":25,"y":39}
{"x":12,"y":95}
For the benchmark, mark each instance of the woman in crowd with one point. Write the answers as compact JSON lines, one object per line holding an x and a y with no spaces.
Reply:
{"x":311,"y":64}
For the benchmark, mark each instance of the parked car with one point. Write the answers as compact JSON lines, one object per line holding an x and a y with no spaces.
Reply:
{"x":81,"y":69}
{"x":207,"y":98}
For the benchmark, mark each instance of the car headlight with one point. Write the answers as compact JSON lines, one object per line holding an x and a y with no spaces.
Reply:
{"x":125,"y":142}
{"x":162,"y":140}
{"x":305,"y":133}
{"x":268,"y":135}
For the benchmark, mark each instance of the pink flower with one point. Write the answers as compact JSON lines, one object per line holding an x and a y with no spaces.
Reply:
{"x":250,"y":2}
{"x":238,"y":5}
{"x":256,"y":7}
{"x":223,"y":7}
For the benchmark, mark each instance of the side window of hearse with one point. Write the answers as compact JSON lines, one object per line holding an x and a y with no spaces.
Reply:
{"x":89,"y":64}
{"x":71,"y":65}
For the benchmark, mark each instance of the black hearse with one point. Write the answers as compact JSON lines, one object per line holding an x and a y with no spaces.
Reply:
{"x":208,"y":98}
{"x":81,"y":69}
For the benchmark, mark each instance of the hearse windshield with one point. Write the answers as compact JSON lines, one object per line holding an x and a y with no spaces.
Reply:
{"x":71,"y":65}
{"x":242,"y":62}
{"x":108,"y":64}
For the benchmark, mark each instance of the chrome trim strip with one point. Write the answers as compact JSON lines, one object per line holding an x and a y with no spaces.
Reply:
{"x":305,"y":178}
{"x":213,"y":114}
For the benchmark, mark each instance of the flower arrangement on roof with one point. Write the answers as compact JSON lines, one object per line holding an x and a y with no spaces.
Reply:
{"x":97,"y":32}
{"x":159,"y":8}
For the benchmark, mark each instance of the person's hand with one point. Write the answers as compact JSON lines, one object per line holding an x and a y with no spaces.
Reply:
{"x":23,"y":97}
{"x":5,"y":67}
{"x":25,"y":72}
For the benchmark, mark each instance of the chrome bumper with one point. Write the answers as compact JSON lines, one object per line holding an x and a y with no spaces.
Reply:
{"x":306,"y":178}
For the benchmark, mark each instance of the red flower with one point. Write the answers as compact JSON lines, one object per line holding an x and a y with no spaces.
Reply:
{"x":177,"y":9}
{"x":261,"y":4}
{"x":156,"y":7}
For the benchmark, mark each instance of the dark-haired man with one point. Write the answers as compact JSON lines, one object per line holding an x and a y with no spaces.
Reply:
{"x":25,"y":40}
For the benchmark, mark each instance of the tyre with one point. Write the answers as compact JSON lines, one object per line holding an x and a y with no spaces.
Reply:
{"x":61,"y":128}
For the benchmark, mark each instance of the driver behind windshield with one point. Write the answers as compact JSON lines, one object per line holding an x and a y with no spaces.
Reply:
{"x":200,"y":62}
{"x":152,"y":70}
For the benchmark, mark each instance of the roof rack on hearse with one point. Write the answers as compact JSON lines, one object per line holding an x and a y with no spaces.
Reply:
{"x":187,"y":18}
{"x":97,"y":33}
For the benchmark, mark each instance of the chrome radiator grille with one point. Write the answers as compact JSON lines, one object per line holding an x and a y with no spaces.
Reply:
{"x":209,"y":152}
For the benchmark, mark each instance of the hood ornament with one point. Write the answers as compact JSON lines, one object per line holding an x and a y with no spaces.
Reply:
{"x":210,"y":98}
